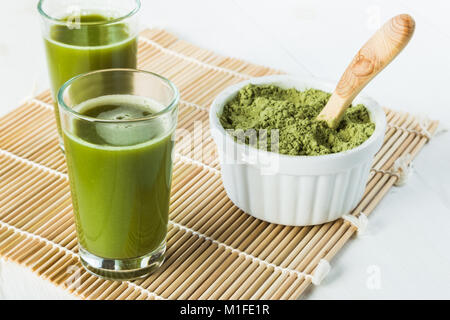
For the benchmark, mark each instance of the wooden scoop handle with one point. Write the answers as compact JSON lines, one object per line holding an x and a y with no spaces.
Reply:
{"x":376,"y":54}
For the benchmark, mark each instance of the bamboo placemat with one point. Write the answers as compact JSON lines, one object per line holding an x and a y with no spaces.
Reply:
{"x":215,"y":251}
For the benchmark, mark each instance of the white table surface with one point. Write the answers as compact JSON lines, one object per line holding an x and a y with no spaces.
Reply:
{"x":405,"y":253}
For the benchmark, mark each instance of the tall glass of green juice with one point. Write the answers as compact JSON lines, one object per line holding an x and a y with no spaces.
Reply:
{"x":87,"y":35}
{"x":118,"y":127}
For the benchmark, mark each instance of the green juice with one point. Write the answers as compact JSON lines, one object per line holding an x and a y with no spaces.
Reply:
{"x":120,"y":177}
{"x":93,"y":45}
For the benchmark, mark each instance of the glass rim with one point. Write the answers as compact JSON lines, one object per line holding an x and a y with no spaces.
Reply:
{"x":169,"y":107}
{"x":115,"y":20}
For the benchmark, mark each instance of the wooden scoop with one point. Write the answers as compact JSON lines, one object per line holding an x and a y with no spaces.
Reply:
{"x":376,"y":54}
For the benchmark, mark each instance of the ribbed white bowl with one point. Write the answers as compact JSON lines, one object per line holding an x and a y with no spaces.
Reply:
{"x":294,"y":190}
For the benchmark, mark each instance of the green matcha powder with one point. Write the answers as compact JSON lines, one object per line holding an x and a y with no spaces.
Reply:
{"x":294,"y":114}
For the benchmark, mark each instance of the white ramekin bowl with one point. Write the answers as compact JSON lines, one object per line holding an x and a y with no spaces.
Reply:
{"x":294,"y":190}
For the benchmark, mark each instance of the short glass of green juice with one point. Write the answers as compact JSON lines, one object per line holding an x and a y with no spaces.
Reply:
{"x":87,"y":35}
{"x":118,"y":128}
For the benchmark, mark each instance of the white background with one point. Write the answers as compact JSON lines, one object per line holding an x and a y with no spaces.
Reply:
{"x":407,"y":248}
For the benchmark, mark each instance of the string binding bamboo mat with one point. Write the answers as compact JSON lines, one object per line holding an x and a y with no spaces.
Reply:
{"x":215,"y":251}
